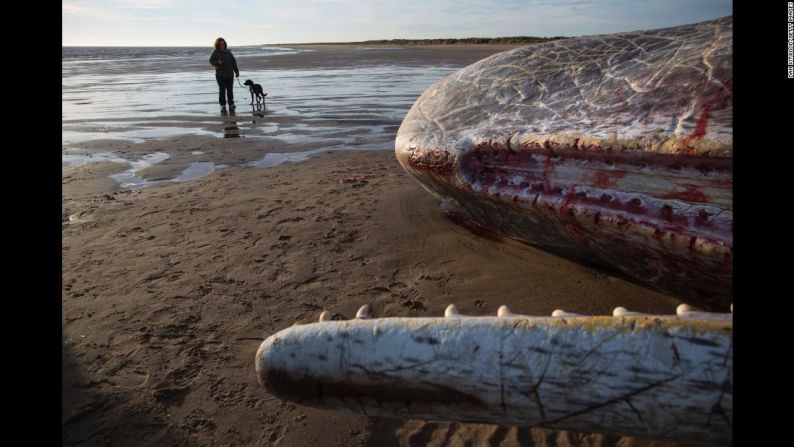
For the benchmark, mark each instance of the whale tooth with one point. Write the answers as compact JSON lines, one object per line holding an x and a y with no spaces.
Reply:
{"x":325,"y":316}
{"x":683,"y":309}
{"x":363,"y":312}
{"x":562,"y":313}
{"x":451,"y":311}
{"x":504,"y":311}
{"x":623,"y":312}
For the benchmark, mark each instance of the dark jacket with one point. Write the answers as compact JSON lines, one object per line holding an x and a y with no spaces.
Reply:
{"x":228,"y":68}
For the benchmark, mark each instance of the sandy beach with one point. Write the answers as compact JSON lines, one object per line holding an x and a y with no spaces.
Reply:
{"x":169,"y":290}
{"x":170,"y":285}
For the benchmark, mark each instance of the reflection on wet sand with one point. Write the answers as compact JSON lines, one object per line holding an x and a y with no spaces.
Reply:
{"x":258,"y":110}
{"x":231,"y":130}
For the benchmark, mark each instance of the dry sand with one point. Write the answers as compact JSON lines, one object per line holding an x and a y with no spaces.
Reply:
{"x":168,"y":291}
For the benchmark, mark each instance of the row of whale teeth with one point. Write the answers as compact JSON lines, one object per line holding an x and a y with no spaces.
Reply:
{"x":451,"y":311}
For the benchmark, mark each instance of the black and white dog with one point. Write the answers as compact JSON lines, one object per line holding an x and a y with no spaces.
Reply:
{"x":256,"y":91}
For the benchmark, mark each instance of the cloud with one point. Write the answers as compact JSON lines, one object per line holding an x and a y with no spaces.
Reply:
{"x":70,"y":8}
{"x":146,"y":4}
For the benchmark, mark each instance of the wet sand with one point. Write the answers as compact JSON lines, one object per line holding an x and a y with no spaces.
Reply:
{"x":337,"y":96}
{"x":169,"y":289}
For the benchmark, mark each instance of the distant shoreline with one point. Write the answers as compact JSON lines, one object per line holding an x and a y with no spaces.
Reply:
{"x":517,"y":40}
{"x":463,"y":41}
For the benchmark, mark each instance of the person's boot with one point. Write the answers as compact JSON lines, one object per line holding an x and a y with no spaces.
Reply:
{"x":223,"y":110}
{"x":231,"y":107}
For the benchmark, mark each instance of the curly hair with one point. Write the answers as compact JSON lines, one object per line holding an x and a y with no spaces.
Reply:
{"x":218,"y":43}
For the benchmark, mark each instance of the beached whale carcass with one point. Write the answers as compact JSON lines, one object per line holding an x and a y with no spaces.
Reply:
{"x":655,"y":376}
{"x":615,"y":149}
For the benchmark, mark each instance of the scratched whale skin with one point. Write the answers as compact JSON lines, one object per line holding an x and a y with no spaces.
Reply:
{"x":627,"y":374}
{"x":614,"y":150}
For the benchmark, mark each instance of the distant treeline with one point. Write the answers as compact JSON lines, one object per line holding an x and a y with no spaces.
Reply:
{"x":467,"y":40}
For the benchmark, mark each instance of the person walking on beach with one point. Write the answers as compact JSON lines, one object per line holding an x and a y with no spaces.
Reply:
{"x":225,"y":70}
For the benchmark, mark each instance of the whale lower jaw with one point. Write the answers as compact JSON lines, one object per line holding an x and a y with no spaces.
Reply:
{"x":661,"y":377}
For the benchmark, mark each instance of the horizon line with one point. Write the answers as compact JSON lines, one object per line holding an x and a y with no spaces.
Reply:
{"x":371,"y":41}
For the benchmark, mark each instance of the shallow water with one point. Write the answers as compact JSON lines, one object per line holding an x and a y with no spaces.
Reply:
{"x":145,"y":94}
{"x":275,"y":158}
{"x":138,"y":106}
{"x":130,"y":180}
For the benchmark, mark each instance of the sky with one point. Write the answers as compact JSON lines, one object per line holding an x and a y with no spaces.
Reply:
{"x":251,"y":22}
